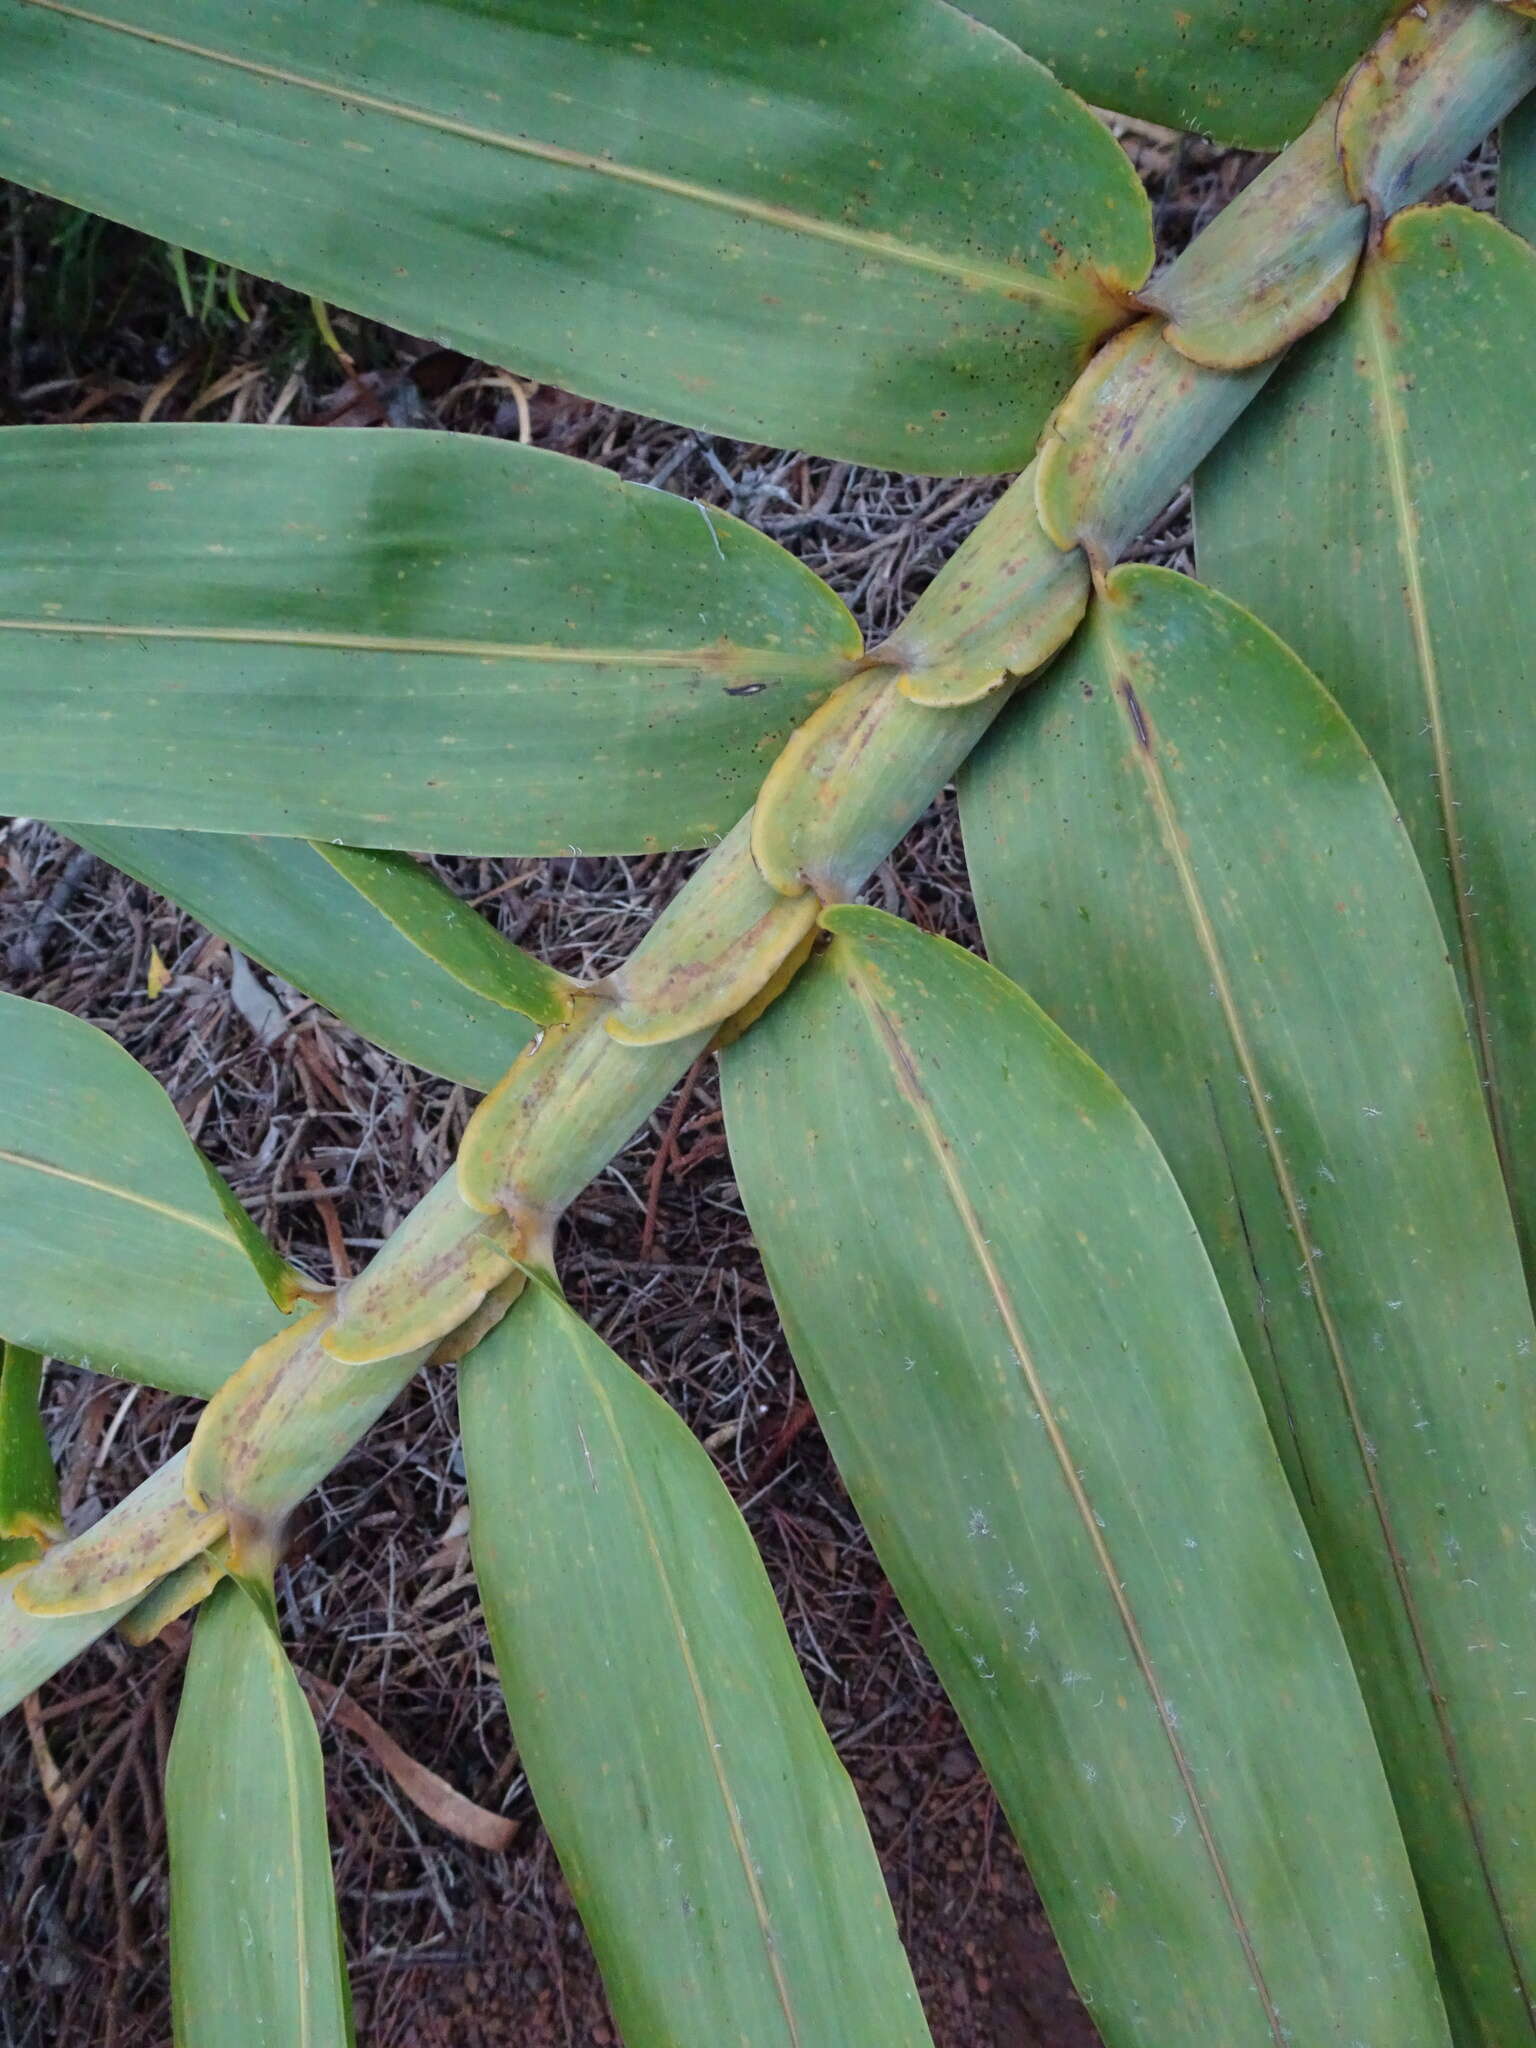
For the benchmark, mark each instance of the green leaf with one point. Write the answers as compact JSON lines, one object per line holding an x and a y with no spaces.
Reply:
{"x":29,"y":1486}
{"x":1517,"y":171}
{"x":1025,"y":1371}
{"x":1182,"y":846}
{"x":255,"y":1948}
{"x":285,"y":903}
{"x":1375,"y":509}
{"x":116,"y":1251}
{"x":396,"y":639}
{"x":865,"y":227}
{"x":1249,"y":72}
{"x":285,"y":1285}
{"x":709,"y":1834}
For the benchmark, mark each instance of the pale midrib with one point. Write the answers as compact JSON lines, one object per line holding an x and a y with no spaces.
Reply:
{"x":106,"y":1187}
{"x":1261,"y":1307}
{"x":724,"y":657}
{"x":1205,"y":933}
{"x":701,"y":1704}
{"x":1393,"y":435}
{"x":1076,"y":298}
{"x":910,"y":1084}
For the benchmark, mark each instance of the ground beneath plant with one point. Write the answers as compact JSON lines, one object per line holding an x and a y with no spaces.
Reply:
{"x":329,"y":1142}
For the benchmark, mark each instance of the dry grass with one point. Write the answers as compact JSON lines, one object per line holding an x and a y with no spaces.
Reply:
{"x":329,"y":1142}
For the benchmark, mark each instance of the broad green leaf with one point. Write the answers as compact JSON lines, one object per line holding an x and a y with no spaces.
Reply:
{"x":1026,"y":1373}
{"x":396,"y":639}
{"x":1182,"y":847}
{"x":29,"y":1486}
{"x":116,"y":1249}
{"x":285,"y":903}
{"x":255,"y":1948}
{"x":710,"y":1836}
{"x":871,"y":228}
{"x":34,"y":1646}
{"x":1375,"y":509}
{"x":1249,"y":72}
{"x":1517,"y":171}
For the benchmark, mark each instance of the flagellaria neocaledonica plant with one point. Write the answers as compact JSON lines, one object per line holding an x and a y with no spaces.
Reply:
{"x":1158,"y":1285}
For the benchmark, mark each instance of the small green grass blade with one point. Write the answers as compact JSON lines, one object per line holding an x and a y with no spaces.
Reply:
{"x":29,"y":1485}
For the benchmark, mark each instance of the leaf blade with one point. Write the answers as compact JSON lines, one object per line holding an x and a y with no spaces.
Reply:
{"x":436,"y":641}
{"x":449,"y":933}
{"x":115,"y":1251}
{"x":255,"y":1947}
{"x":1249,"y":72}
{"x":29,"y":1485}
{"x":1517,"y":171}
{"x":285,"y":903}
{"x":1186,"y":849}
{"x":1410,"y":598}
{"x":578,"y":238}
{"x":1060,"y":1518}
{"x":710,"y":1836}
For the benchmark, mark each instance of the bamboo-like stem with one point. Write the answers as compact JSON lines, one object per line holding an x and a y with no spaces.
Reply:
{"x":851,"y":781}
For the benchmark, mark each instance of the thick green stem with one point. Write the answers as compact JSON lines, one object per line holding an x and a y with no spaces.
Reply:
{"x":1141,"y":417}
